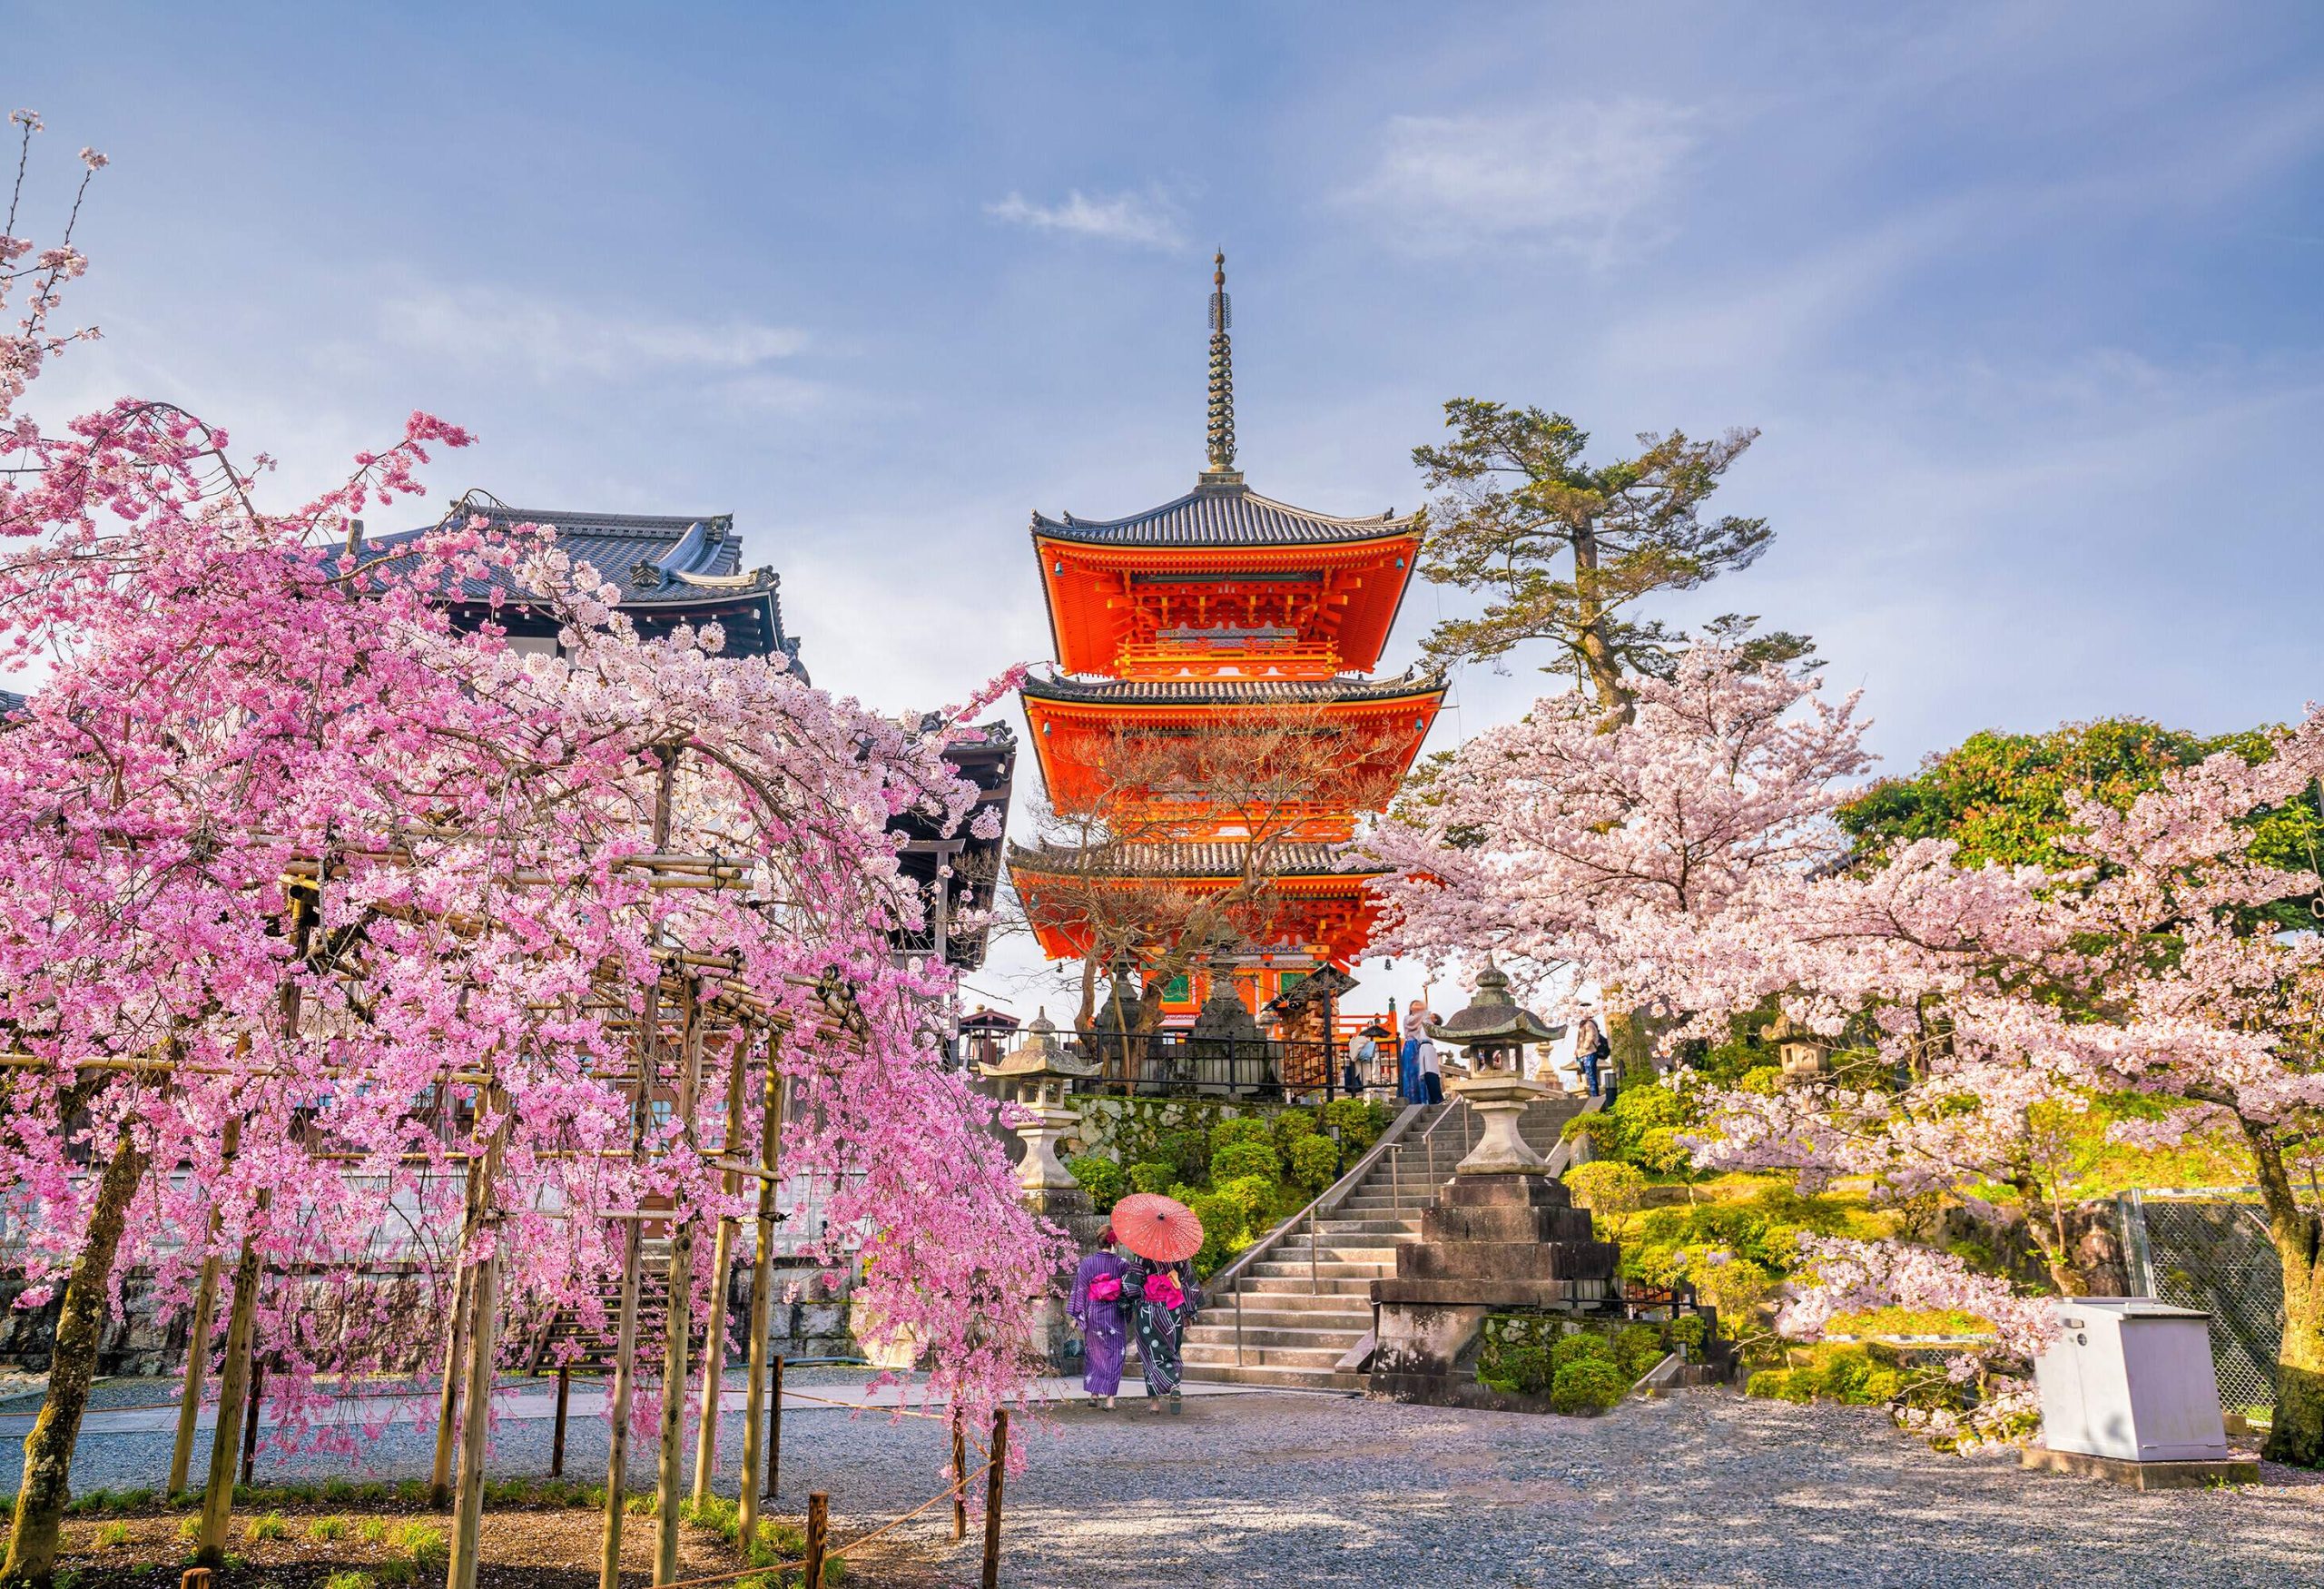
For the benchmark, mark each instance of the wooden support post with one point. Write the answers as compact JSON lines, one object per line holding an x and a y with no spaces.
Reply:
{"x":721,"y":1266}
{"x":556,"y":1440}
{"x":197,"y":1364}
{"x":999,"y":1456}
{"x":468,"y":1508}
{"x":758,"y":1454}
{"x":483,"y":1339}
{"x":641,"y":1111}
{"x":775,"y":1433}
{"x":250,"y":1423}
{"x":818,"y":1528}
{"x":233,"y":1381}
{"x":960,"y":1479}
{"x":678,"y":1319}
{"x":456,"y":1353}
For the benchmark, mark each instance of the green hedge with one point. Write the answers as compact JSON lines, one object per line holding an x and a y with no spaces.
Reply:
{"x":1234,"y":1160}
{"x":1102,"y":1179}
{"x":1587,"y":1384}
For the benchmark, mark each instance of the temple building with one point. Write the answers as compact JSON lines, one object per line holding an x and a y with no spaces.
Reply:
{"x":682,"y":569}
{"x":1218,"y":607}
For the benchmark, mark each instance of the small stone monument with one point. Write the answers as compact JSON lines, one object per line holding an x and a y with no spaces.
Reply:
{"x":1503,"y":1234}
{"x":1035,"y":1076}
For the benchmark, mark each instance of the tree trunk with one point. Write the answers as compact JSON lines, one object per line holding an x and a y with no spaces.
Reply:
{"x":48,"y":1449}
{"x":233,"y":1386}
{"x":1605,"y":669}
{"x":2295,"y":1435}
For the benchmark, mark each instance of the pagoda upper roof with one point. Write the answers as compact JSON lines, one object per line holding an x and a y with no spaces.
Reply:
{"x":1204,"y":692}
{"x":1221,"y":515}
{"x":1222,"y":858}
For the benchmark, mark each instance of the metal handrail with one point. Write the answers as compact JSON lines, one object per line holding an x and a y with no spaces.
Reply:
{"x":1326,"y":1201}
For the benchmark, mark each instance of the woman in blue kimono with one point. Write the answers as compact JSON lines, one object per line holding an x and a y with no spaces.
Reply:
{"x":1097,"y":1310}
{"x":1161,"y":1297}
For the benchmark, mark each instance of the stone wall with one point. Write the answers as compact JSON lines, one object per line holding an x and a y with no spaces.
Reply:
{"x":1124,"y":1129}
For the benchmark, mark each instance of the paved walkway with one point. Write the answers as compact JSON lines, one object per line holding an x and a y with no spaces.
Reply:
{"x":527,"y":1401}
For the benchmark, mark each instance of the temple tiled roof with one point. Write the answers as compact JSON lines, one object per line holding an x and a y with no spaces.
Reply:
{"x":1220,"y":516}
{"x":1213,"y":858}
{"x":1210,"y":691}
{"x":666,"y":565}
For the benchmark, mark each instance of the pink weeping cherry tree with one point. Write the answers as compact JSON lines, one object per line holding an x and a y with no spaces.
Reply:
{"x":289,"y":866}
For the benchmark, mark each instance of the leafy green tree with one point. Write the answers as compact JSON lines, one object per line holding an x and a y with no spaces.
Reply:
{"x":1564,"y":547}
{"x":2004,"y":797}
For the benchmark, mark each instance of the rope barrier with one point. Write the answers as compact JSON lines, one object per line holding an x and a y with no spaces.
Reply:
{"x":838,"y":1553}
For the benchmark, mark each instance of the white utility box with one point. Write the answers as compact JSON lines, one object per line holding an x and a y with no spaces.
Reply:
{"x":2130,"y":1378}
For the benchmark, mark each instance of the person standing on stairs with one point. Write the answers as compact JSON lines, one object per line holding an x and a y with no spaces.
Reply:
{"x":1408,"y":1067}
{"x":1432,"y":1070}
{"x":1160,"y":1295}
{"x":1096,"y":1309}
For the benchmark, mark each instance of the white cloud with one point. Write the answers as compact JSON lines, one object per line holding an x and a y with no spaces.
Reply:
{"x":1577,"y":175}
{"x":485,"y":326}
{"x":1140,"y":220}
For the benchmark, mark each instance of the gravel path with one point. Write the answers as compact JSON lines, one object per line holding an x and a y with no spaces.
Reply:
{"x":1702,"y":1488}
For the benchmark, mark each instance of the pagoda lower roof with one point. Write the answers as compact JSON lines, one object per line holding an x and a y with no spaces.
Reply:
{"x":1221,"y":515}
{"x":1221,"y":858}
{"x":1205,"y":692}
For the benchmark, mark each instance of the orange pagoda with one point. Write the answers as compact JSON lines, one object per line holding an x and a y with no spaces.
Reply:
{"x":1222,"y":602}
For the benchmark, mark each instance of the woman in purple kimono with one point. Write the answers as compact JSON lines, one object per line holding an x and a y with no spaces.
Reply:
{"x":1161,"y":1296}
{"x":1097,"y":1311}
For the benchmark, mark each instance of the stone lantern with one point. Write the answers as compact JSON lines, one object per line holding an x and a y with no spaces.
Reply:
{"x":1798,"y":1051}
{"x":1494,"y":1030}
{"x":1036,"y":1075}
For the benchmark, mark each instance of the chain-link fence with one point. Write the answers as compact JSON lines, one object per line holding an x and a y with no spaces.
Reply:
{"x":2213,"y":1253}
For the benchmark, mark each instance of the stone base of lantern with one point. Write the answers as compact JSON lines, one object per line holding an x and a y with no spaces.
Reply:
{"x":1499,"y":1240}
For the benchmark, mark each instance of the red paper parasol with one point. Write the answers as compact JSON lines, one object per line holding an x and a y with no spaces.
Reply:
{"x":1157,"y":1228}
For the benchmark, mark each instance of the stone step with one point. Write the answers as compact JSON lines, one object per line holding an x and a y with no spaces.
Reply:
{"x":1346,"y":1321}
{"x":1222,"y":1357}
{"x":1281,"y":1379}
{"x":1325,"y":1270}
{"x":1339,"y":1226}
{"x":1331,"y":1252}
{"x":1253,"y":1338}
{"x":1326,"y":1283}
{"x":1284,"y":1299}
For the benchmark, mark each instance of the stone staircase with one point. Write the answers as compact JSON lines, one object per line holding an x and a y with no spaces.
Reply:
{"x":1303,"y":1311}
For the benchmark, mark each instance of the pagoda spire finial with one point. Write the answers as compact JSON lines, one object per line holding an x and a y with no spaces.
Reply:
{"x":1222,"y":470}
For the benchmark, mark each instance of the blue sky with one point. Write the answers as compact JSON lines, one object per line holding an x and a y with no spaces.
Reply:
{"x":2022,"y":297}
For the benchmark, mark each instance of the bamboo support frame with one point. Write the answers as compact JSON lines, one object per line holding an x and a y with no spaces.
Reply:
{"x":721,"y":1263}
{"x":678,"y":1318}
{"x":484,"y":1338}
{"x":233,"y":1381}
{"x":760,"y":1453}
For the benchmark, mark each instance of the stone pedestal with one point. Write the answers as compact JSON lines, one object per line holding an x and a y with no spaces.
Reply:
{"x":1497,"y":1240}
{"x":1500,"y":1098}
{"x":1041,"y":1128}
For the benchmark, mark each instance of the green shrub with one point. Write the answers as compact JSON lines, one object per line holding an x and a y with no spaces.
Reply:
{"x":412,"y":1492}
{"x":111,"y":1536}
{"x":1102,"y":1179}
{"x":1638,"y":1347}
{"x":338,"y":1488}
{"x":1291,"y":1126}
{"x":1586,"y":1385}
{"x":131,"y":1500}
{"x":1240,"y":1128}
{"x":1608,"y":1189}
{"x":1151,"y":1175}
{"x":1586,"y":1346}
{"x":1659,"y":1152}
{"x":323,"y":1530}
{"x":95,"y":1501}
{"x":1315,"y":1162}
{"x":1781,"y":1384}
{"x":372,"y":1531}
{"x":1521,"y":1370}
{"x":350,"y":1579}
{"x":1686,"y":1334}
{"x":1601,"y":1131}
{"x":258,"y":1530}
{"x":190,"y":1528}
{"x":1360,"y":1122}
{"x":1235,"y":1160}
{"x":371,"y":1491}
{"x":1252,"y":1198}
{"x":396,"y":1570}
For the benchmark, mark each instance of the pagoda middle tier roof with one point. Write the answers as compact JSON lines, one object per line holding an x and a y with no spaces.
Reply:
{"x":1220,"y":516}
{"x":1205,"y":692}
{"x":1222,"y":858}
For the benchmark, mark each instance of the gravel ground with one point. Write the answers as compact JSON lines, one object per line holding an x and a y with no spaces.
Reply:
{"x":1701,"y":1488}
